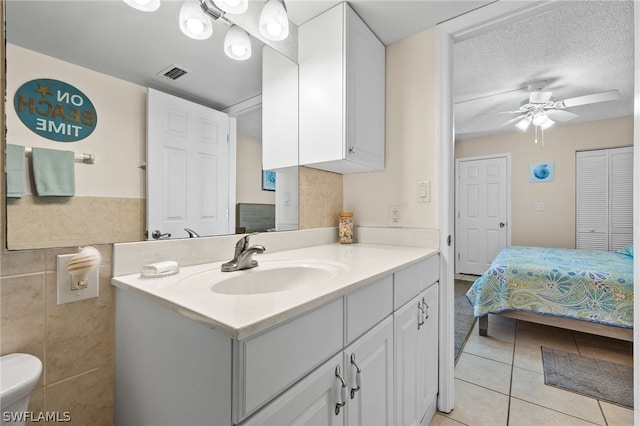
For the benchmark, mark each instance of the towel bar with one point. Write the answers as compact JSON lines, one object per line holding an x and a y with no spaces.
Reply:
{"x":81,"y":158}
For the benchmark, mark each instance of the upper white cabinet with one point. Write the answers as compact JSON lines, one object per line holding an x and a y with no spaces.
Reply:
{"x":279,"y":111}
{"x":341,"y":93}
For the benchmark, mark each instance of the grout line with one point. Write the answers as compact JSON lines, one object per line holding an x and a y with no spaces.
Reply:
{"x":602,"y":411}
{"x":557,"y":411}
{"x":483,"y":387}
{"x":513,"y":361}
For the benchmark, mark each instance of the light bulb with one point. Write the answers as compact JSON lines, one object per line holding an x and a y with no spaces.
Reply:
{"x":524,"y":123}
{"x":237,"y":44}
{"x":193,"y":21}
{"x":144,"y":5}
{"x":547,"y":124}
{"x":274,"y":22}
{"x":232,"y":6}
{"x":539,"y":118}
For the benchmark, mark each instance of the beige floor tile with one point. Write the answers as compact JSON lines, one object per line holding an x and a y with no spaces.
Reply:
{"x":616,"y":415}
{"x":442,"y":420}
{"x":529,"y":386}
{"x":501,"y":328}
{"x":528,"y":354}
{"x":484,"y":372}
{"x":522,"y":413}
{"x":477,"y":406}
{"x":490,"y":347}
{"x":604,"y":348}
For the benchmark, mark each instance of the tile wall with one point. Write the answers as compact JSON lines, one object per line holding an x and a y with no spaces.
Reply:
{"x":320,"y":197}
{"x":75,"y":341}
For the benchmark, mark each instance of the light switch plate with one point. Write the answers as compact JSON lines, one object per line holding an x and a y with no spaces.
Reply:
{"x":65,"y":293}
{"x":423,"y":191}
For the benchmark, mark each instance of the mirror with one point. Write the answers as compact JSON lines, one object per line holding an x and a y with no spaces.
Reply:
{"x":112,"y":65}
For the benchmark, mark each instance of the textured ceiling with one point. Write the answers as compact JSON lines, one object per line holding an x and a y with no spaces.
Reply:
{"x":578,"y":48}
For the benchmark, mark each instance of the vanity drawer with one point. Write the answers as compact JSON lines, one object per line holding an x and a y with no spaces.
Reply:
{"x":368,"y":306}
{"x":267,"y":364}
{"x":410,"y":281}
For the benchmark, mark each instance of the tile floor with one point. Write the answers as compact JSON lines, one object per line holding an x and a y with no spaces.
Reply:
{"x":499,"y":379}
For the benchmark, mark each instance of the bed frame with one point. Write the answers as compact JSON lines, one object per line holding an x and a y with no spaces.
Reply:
{"x":562,"y":322}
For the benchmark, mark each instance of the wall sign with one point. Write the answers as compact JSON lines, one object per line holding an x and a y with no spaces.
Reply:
{"x":55,"y":110}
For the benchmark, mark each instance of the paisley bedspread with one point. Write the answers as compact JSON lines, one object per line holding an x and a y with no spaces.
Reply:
{"x":595,"y":286}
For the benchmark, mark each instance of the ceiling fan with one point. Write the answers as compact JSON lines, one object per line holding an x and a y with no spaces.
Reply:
{"x":542,"y":110}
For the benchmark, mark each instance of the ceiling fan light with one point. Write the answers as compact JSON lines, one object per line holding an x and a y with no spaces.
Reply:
{"x":237,"y":44}
{"x":235,"y":7}
{"x":274,"y":22}
{"x":524,"y":123}
{"x":144,"y":5}
{"x":193,"y":21}
{"x":548,"y":123}
{"x":539,"y":118}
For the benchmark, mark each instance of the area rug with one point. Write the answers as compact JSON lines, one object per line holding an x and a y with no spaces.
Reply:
{"x":463,"y":315}
{"x":596,"y":378}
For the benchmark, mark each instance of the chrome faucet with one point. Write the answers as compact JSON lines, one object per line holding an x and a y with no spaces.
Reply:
{"x":192,"y":233}
{"x":243,"y":255}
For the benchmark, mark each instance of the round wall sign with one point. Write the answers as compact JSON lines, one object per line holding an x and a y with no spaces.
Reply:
{"x":55,"y":110}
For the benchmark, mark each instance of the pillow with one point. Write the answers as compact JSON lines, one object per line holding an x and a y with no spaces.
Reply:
{"x":628,"y":250}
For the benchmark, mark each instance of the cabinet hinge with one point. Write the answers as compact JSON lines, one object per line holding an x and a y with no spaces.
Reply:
{"x":449,"y":241}
{"x":458,"y":255}
{"x":228,"y":139}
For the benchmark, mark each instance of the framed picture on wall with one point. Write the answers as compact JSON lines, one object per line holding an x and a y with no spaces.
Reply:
{"x":541,"y":172}
{"x":268,"y":180}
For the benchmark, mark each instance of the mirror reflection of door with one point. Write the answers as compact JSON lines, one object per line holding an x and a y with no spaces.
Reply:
{"x":188,"y":176}
{"x":482,"y":203}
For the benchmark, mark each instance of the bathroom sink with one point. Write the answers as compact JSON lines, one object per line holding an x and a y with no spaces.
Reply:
{"x":270,"y":276}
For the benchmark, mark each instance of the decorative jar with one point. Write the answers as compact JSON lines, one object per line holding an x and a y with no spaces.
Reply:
{"x":345,"y":228}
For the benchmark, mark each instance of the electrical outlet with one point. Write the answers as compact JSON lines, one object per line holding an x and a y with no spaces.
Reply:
{"x":394,"y":215}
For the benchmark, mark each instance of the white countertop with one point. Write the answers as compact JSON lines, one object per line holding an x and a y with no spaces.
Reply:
{"x":242,"y":316}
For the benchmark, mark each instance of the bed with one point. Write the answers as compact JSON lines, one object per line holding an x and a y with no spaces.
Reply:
{"x":583,"y":290}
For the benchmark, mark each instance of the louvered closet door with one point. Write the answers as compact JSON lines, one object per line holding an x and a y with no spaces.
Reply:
{"x":620,"y":198}
{"x":592,"y":200}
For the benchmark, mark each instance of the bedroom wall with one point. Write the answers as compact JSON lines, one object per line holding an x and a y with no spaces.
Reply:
{"x":249,"y":172}
{"x":555,"y":225}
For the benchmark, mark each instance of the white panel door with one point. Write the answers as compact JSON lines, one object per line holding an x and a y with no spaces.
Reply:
{"x":482,"y":213}
{"x":187,"y":167}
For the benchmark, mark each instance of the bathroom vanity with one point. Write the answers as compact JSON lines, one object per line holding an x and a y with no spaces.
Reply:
{"x":330,"y":334}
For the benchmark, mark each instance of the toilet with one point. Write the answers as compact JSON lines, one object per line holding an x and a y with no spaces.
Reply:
{"x":19,"y":374}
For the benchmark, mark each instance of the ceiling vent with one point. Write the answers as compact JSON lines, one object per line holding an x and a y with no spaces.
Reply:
{"x":172,"y":72}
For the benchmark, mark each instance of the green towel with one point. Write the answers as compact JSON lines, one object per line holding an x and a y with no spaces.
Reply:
{"x":53,"y":172}
{"x":14,"y":167}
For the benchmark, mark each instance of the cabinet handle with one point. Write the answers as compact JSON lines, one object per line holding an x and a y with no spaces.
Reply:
{"x":358,"y":371}
{"x":426,"y":309}
{"x":420,"y":315}
{"x":352,"y":150}
{"x":342,"y":393}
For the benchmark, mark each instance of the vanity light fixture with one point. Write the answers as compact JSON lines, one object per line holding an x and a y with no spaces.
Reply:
{"x":144,"y":5}
{"x":237,"y":44}
{"x":235,"y":7}
{"x":274,"y":22}
{"x":193,"y":21}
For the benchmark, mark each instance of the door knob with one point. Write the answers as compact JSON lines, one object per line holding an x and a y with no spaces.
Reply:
{"x":501,"y":224}
{"x":157,"y":235}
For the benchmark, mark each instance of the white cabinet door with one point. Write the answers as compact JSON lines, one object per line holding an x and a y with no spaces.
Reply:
{"x":342,"y":93}
{"x":407,"y":333}
{"x":620,"y":198}
{"x":312,"y":401}
{"x":279,"y":110}
{"x":428,"y":351}
{"x":372,"y":355}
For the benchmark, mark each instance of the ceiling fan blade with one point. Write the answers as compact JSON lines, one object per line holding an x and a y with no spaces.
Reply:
{"x":560,"y":116}
{"x":539,"y":97}
{"x":610,"y":95}
{"x":513,"y":120}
